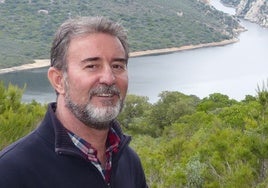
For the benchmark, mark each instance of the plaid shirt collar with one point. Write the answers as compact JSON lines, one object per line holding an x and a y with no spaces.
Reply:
{"x":112,"y":145}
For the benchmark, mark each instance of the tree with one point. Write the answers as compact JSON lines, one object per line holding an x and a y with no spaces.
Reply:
{"x":134,"y":113}
{"x":170,"y":107}
{"x":215,"y":101}
{"x":16,"y":118}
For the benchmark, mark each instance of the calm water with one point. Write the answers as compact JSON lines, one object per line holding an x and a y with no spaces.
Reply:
{"x":234,"y":70}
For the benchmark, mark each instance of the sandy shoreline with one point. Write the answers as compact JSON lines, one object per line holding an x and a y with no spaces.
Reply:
{"x":39,"y":63}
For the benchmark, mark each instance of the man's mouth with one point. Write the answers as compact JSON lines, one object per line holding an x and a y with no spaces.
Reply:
{"x":105,"y":91}
{"x":105,"y":95}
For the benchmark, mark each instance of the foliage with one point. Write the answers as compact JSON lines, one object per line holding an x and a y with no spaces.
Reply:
{"x":16,"y":119}
{"x":135,"y":110}
{"x":27,"y":27}
{"x":214,"y":101}
{"x":219,"y":143}
{"x":183,"y":141}
{"x":170,"y":107}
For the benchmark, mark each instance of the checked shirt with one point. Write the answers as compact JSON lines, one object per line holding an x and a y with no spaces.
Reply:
{"x":112,"y":144}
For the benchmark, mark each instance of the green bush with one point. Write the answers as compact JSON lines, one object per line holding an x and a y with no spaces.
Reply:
{"x":16,"y":118}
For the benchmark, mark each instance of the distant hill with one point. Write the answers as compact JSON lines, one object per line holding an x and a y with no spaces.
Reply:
{"x":27,"y":26}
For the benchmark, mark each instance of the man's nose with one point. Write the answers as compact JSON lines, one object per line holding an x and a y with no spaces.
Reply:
{"x":107,"y":76}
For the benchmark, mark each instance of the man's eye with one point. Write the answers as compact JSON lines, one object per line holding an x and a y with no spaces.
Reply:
{"x":92,"y":66}
{"x":119,"y":67}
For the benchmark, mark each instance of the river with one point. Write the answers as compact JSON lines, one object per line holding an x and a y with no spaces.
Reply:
{"x":234,"y":70}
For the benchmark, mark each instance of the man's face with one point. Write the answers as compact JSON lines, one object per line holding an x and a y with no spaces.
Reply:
{"x":96,"y":81}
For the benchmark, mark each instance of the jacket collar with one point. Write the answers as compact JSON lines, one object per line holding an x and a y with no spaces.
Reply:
{"x":55,"y":133}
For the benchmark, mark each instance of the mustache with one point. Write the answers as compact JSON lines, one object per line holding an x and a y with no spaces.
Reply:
{"x":105,"y":89}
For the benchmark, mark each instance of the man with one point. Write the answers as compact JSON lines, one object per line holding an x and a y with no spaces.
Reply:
{"x":79,"y":143}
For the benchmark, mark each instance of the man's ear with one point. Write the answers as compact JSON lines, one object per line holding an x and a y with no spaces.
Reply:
{"x":56,"y":79}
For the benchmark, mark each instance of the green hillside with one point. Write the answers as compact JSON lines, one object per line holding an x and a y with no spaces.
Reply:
{"x":27,"y":26}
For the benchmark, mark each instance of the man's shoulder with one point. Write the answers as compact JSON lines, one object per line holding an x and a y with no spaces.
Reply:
{"x":29,"y":145}
{"x":14,"y":159}
{"x":21,"y":151}
{"x":16,"y":149}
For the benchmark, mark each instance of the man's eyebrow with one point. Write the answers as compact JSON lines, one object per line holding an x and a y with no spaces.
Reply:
{"x":123,"y":60}
{"x":90,"y":59}
{"x":118,"y":59}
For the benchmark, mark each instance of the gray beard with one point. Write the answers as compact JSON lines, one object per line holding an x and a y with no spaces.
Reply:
{"x":95,"y":117}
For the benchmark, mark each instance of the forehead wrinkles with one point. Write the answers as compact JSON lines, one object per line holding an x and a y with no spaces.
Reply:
{"x":99,"y":44}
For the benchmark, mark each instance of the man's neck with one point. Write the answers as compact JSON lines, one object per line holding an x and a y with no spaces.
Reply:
{"x":97,"y":138}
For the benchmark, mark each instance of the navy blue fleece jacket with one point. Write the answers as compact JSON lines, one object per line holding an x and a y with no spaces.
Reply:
{"x":47,"y":158}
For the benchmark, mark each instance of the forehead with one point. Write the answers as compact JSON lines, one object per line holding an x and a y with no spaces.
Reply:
{"x":95,"y":42}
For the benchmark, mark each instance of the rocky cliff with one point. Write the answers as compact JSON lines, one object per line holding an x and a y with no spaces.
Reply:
{"x":253,"y":10}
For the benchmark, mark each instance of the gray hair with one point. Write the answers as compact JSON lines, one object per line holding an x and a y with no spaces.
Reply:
{"x":80,"y":26}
